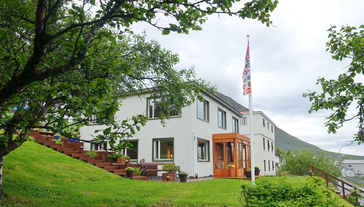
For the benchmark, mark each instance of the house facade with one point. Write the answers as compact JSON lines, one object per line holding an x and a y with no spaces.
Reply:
{"x":264,"y":140}
{"x":202,"y":138}
{"x":355,"y":166}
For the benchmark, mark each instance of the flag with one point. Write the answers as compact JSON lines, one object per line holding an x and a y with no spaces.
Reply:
{"x":246,"y":74}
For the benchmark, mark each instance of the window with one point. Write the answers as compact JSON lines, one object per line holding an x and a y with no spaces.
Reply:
{"x":272,"y":147}
{"x":268,"y":126}
{"x":202,"y":150}
{"x":271,"y":128}
{"x":265,"y":169}
{"x":268,"y":145}
{"x":132,"y":152}
{"x":268,"y":165}
{"x":156,"y":109}
{"x":243,"y":121}
{"x":263,"y":122}
{"x":221,"y":116}
{"x":263,"y":143}
{"x":93,"y":119}
{"x":235,"y":125}
{"x":272,"y":165}
{"x":97,"y":146}
{"x":163,"y":149}
{"x":203,"y":110}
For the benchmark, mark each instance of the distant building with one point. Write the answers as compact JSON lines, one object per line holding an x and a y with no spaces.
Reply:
{"x":356,"y":166}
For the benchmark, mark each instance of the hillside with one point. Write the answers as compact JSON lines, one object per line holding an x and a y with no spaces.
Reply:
{"x":285,"y":141}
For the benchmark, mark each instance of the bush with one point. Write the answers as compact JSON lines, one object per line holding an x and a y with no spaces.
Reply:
{"x":137,"y":170}
{"x":296,"y":163}
{"x":114,"y":156}
{"x":92,"y":153}
{"x":310,"y":192}
{"x":170,"y":168}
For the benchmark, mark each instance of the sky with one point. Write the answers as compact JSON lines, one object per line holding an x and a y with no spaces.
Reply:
{"x":286,"y":61}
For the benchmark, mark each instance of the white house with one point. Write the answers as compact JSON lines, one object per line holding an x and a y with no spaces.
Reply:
{"x":264,"y":140}
{"x":203,"y":138}
{"x":356,"y":166}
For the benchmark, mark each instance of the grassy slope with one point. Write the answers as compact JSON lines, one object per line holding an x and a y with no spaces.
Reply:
{"x":38,"y":176}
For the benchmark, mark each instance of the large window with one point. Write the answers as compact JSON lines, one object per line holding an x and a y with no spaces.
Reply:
{"x":203,"y":110}
{"x":221,"y":116}
{"x":235,"y":125}
{"x":132,"y":152}
{"x":163,"y":149}
{"x":156,"y":109}
{"x":202,"y":150}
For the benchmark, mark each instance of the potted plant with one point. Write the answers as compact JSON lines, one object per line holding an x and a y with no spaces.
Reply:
{"x":248,"y":173}
{"x":182,"y":176}
{"x":122,"y":159}
{"x":231,"y":170}
{"x":171,"y":171}
{"x":129,"y":172}
{"x":257,"y":171}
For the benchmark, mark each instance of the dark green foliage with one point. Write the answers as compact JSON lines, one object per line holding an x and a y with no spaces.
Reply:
{"x":310,"y":191}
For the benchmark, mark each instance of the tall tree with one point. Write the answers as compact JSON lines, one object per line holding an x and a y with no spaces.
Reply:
{"x":60,"y":59}
{"x":347,"y":90}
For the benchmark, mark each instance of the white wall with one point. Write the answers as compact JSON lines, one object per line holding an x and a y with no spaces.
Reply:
{"x":185,"y":131}
{"x":261,"y":132}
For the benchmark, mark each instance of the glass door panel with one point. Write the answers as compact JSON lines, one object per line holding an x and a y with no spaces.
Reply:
{"x":219,"y":156}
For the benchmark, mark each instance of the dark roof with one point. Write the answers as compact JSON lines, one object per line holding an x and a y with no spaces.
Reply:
{"x":231,"y":102}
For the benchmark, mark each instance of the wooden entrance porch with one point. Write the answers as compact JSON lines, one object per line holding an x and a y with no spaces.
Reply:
{"x":233,"y":149}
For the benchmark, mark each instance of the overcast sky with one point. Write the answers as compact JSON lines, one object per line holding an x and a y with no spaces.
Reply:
{"x":286,"y":61}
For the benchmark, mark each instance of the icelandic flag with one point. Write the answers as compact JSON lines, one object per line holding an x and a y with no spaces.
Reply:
{"x":246,"y":74}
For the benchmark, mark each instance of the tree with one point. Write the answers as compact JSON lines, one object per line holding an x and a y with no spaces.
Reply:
{"x":59,"y":60}
{"x":338,"y":95}
{"x":296,"y":163}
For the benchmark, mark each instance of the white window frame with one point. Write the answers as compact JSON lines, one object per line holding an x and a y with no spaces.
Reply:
{"x":207,"y":150}
{"x":235,"y":125}
{"x":221,"y":120}
{"x":96,"y":146}
{"x":205,"y":110}
{"x":151,"y":109}
{"x":157,"y":149}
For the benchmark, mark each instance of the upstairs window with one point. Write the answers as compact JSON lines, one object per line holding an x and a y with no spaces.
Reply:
{"x":243,"y":121}
{"x":268,"y":126}
{"x":156,"y":109}
{"x":263,"y":143}
{"x":235,"y":125}
{"x":203,"y":110}
{"x":263,"y":122}
{"x":268,"y":144}
{"x":221,"y":115}
{"x":271,"y":128}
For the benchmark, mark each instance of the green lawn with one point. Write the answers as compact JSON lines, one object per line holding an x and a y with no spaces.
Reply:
{"x":38,"y":176}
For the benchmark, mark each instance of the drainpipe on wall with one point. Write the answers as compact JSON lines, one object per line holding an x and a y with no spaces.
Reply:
{"x":193,"y":152}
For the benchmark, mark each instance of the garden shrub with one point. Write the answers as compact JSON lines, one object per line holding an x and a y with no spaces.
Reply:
{"x":310,"y":192}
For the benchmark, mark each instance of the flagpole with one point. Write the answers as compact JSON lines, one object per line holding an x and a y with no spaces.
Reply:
{"x":251,"y":132}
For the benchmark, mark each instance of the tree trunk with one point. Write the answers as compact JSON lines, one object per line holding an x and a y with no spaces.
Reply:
{"x":2,"y":195}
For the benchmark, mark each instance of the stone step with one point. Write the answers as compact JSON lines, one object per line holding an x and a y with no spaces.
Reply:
{"x":118,"y":171}
{"x":87,"y":158}
{"x":94,"y":161}
{"x":111,"y":168}
{"x":78,"y":155}
{"x":58,"y":146}
{"x":103,"y":164}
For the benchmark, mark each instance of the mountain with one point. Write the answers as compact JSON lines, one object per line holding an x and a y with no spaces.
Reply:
{"x":284,"y":141}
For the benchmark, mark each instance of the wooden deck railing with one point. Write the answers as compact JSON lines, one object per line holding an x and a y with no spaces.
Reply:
{"x":335,"y":182}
